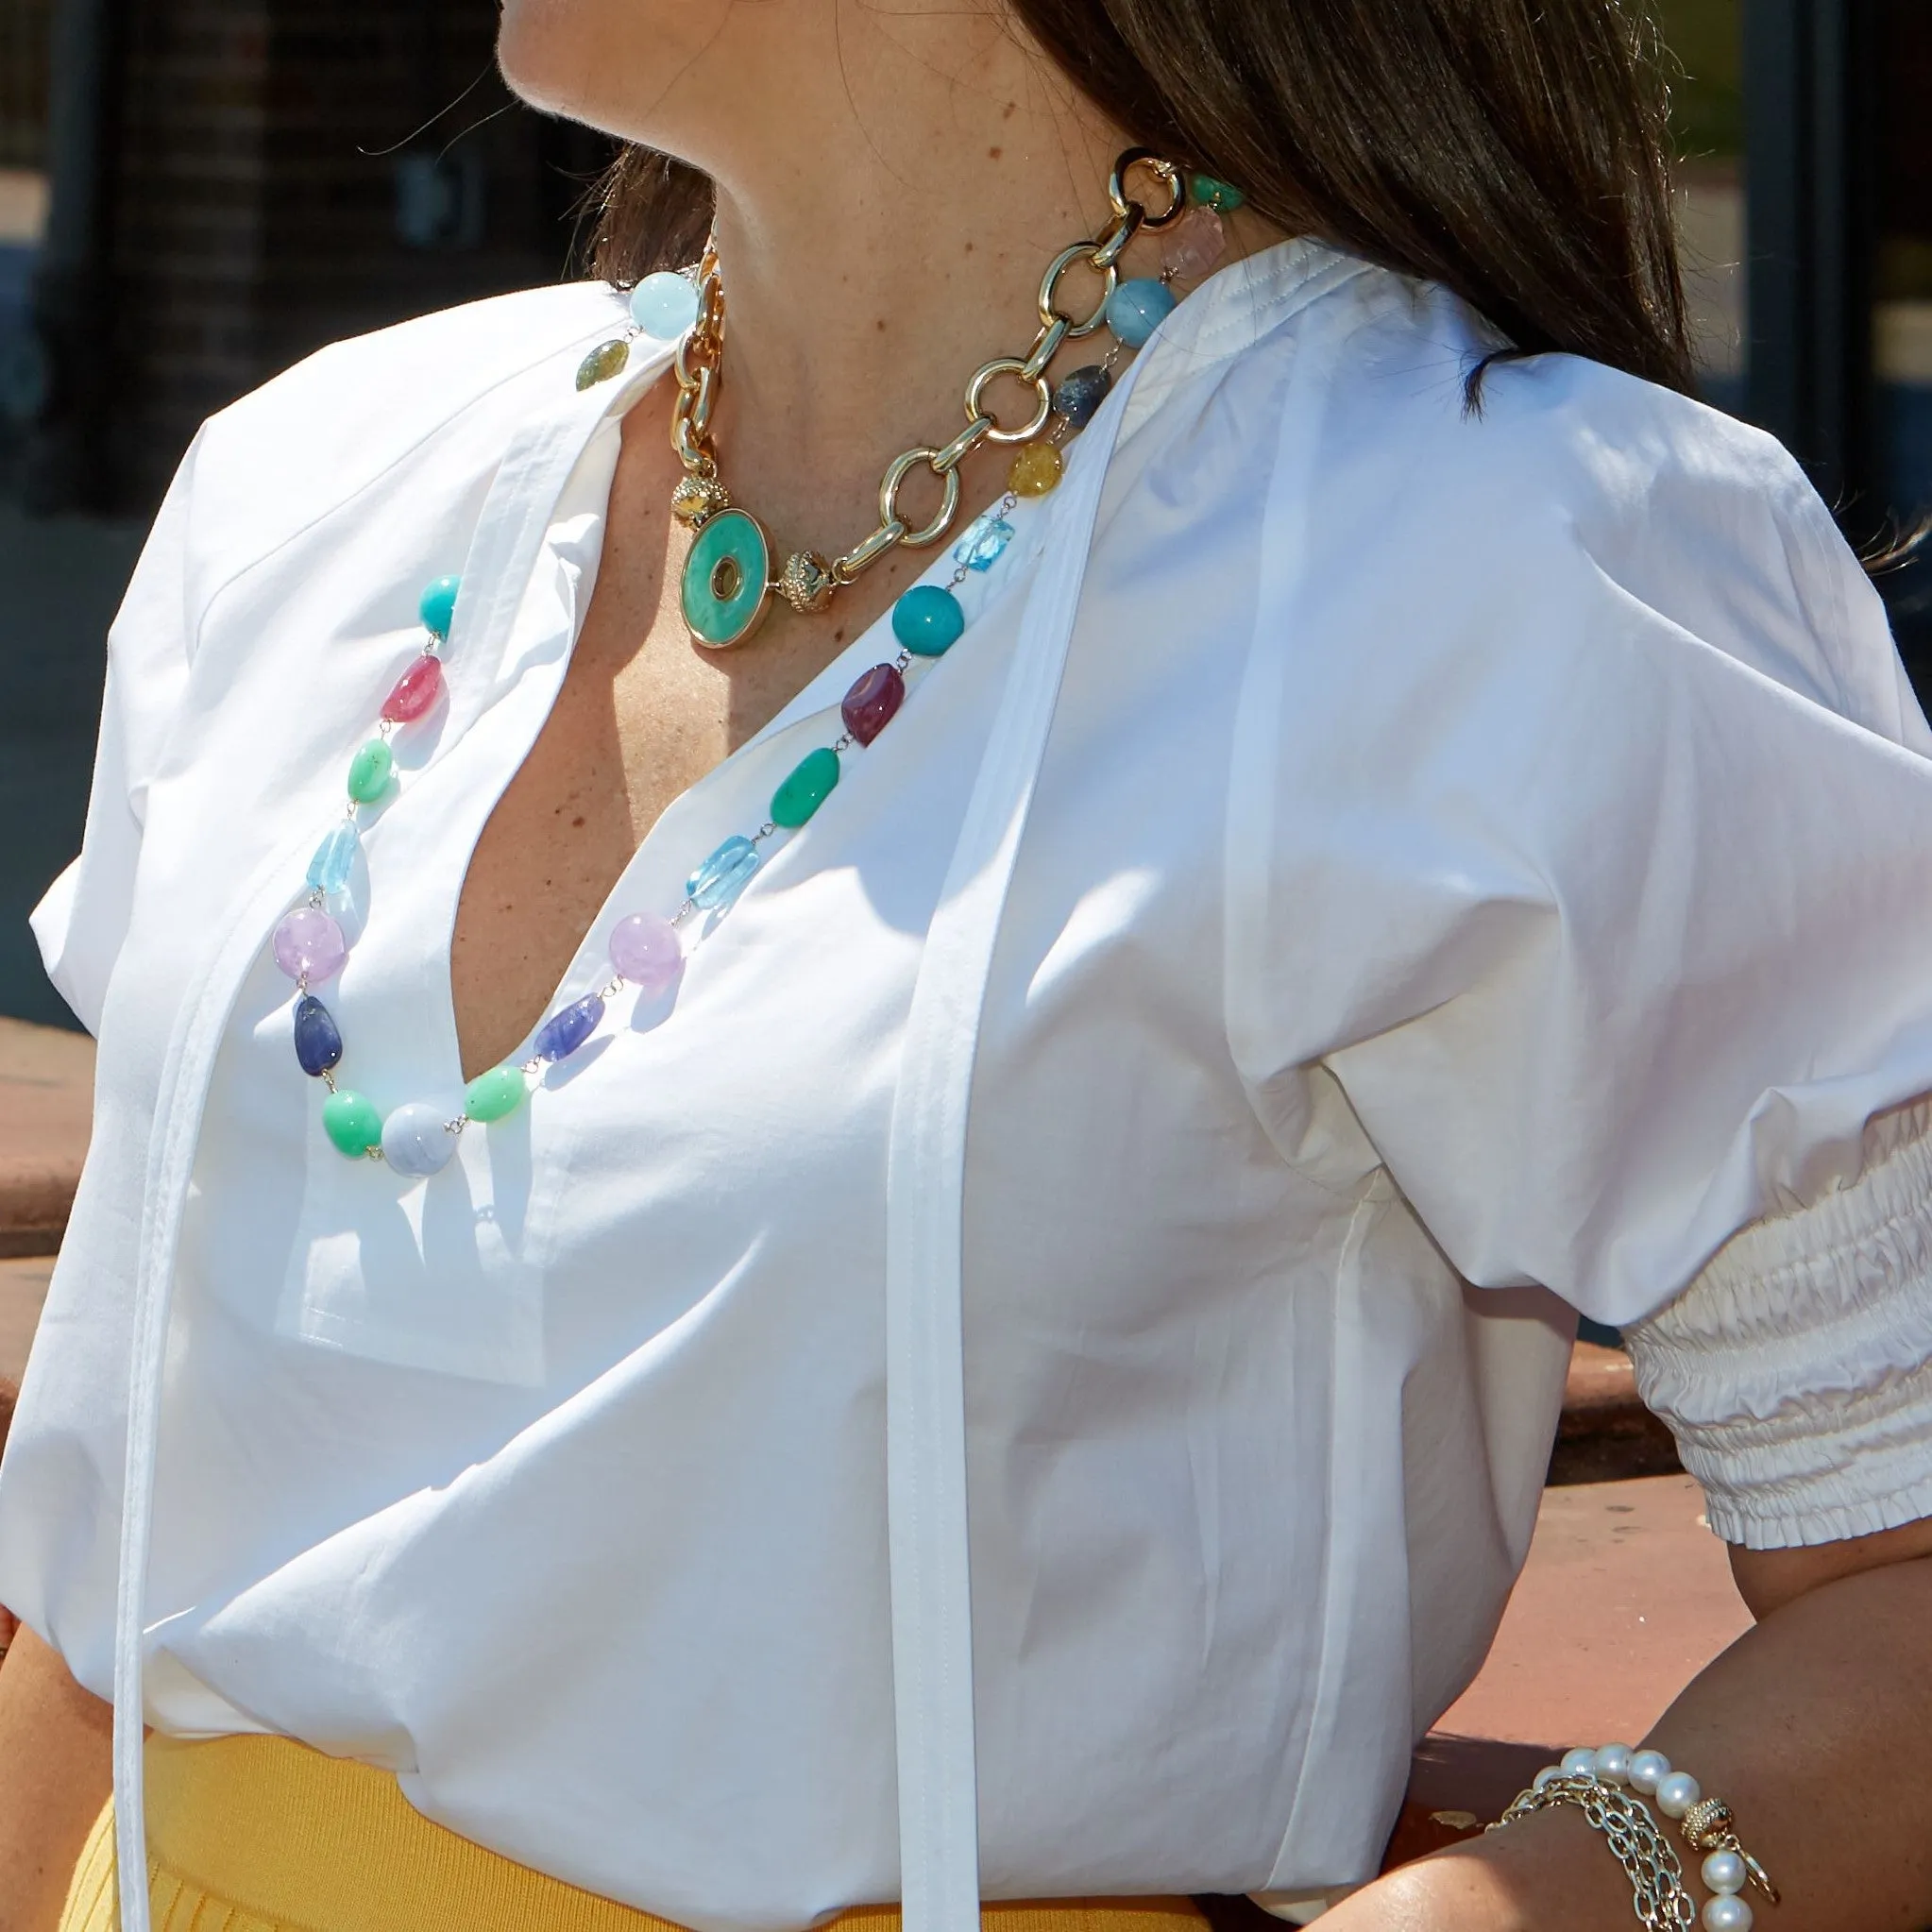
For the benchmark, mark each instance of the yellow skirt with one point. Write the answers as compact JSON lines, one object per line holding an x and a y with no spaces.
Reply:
{"x":262,"y":1834}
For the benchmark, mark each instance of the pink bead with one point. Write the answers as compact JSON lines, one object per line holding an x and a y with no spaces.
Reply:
{"x":416,"y":690}
{"x":645,"y":950}
{"x":1197,"y":245}
{"x":309,"y":942}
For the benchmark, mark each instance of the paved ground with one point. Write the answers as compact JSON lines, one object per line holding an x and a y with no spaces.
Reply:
{"x":60,"y":580}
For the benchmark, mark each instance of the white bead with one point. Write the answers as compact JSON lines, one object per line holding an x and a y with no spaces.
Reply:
{"x":1725,"y":1871}
{"x":1613,"y":1763}
{"x":1580,"y":1763}
{"x":1727,"y":1915}
{"x":1543,"y":1776}
{"x":416,"y":1142}
{"x":1677,"y":1793}
{"x":1646,"y":1769}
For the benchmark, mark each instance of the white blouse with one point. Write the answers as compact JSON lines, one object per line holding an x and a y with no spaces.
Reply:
{"x":1379,"y":870}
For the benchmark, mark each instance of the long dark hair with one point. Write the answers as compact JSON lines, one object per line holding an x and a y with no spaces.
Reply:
{"x":1516,"y":151}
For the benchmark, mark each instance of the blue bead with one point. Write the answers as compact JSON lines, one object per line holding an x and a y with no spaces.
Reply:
{"x":563,"y":1033}
{"x":928,"y":621}
{"x":985,"y":542}
{"x":1082,"y":392}
{"x":319,"y":1039}
{"x":438,"y":607}
{"x":719,"y":881}
{"x":665,"y":305}
{"x":334,"y":862}
{"x":1137,"y":307}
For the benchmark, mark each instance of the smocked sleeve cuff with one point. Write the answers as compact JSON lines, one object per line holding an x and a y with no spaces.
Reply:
{"x":1796,"y":1370}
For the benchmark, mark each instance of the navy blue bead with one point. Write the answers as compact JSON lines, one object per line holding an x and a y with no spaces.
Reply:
{"x":319,"y":1039}
{"x":1080,"y":394}
{"x":564,"y":1033}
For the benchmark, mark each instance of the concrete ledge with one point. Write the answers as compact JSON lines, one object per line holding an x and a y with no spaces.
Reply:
{"x":1606,"y":1435}
{"x":46,"y":1106}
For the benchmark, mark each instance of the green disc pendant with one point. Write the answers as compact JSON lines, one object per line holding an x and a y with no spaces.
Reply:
{"x":727,"y":579}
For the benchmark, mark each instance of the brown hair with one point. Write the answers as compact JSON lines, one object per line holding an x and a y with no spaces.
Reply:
{"x":1516,"y":151}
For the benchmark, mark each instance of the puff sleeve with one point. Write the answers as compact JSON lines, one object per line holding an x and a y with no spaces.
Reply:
{"x":82,"y":919}
{"x":1588,"y":846}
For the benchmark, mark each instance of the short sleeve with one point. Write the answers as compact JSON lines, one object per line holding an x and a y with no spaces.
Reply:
{"x":82,"y":919}
{"x":1566,"y":837}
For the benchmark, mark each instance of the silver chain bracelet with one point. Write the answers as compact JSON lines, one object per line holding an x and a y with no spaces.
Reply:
{"x":1635,"y":1839}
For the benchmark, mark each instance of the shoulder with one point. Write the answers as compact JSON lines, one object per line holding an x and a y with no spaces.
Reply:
{"x":323,"y":430}
{"x":1569,"y":485}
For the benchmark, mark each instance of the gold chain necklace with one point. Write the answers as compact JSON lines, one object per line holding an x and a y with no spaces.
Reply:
{"x":727,"y":584}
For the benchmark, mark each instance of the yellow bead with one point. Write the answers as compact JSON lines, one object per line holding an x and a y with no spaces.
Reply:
{"x":1036,"y":471}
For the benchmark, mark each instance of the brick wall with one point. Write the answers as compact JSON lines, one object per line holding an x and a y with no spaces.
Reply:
{"x":255,"y":208}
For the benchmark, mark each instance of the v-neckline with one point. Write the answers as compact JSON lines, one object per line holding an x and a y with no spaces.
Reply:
{"x":519,"y":503}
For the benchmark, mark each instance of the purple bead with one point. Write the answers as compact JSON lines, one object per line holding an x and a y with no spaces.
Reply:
{"x":563,"y":1033}
{"x":309,"y":944}
{"x":645,"y":950}
{"x":873,"y":702}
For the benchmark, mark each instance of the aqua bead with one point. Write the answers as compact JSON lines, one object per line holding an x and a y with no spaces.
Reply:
{"x":984,"y":543}
{"x":319,"y":1039}
{"x":351,"y":1123}
{"x":438,"y":607}
{"x":665,"y":305}
{"x":495,"y":1095}
{"x":716,"y":884}
{"x":371,"y":771}
{"x":1137,"y":307}
{"x":927,"y":620}
{"x":563,"y":1033}
{"x":334,"y":862}
{"x":727,"y":579}
{"x":809,"y":785}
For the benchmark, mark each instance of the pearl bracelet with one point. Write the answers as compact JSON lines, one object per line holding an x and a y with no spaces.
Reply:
{"x":1707,"y":1824}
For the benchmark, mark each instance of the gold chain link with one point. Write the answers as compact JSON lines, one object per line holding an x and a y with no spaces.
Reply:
{"x":700,"y":356}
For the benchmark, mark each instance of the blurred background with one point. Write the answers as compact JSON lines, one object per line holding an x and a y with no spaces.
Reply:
{"x":196,"y":193}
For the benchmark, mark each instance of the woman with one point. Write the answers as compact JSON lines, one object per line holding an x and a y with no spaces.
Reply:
{"x":1150,"y":1014}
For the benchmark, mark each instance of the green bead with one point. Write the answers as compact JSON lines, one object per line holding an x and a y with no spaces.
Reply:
{"x":808,"y":787}
{"x":495,"y":1095}
{"x":370,"y":771}
{"x":352,"y":1123}
{"x":1224,"y":198}
{"x":607,"y":360}
{"x":727,"y":579}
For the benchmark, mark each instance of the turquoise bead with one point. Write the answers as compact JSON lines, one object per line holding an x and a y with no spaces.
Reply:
{"x":809,"y":785}
{"x":334,"y":862}
{"x":1137,"y":307}
{"x":927,"y":620}
{"x":370,"y":771}
{"x":717,"y":883}
{"x":665,"y":305}
{"x":438,"y":607}
{"x":727,"y":579}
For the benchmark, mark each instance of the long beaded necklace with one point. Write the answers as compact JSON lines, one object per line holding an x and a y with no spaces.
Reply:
{"x":726,"y":588}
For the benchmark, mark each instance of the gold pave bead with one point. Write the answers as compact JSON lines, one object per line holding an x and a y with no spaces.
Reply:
{"x":1707,"y":1825}
{"x":697,"y":498}
{"x":806,"y":583}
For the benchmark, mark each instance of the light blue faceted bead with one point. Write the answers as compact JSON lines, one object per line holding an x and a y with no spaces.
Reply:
{"x":1137,"y":307}
{"x":718,"y":881}
{"x":664,"y":305}
{"x":985,"y":542}
{"x":416,"y":1142}
{"x":438,"y":607}
{"x":334,"y":862}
